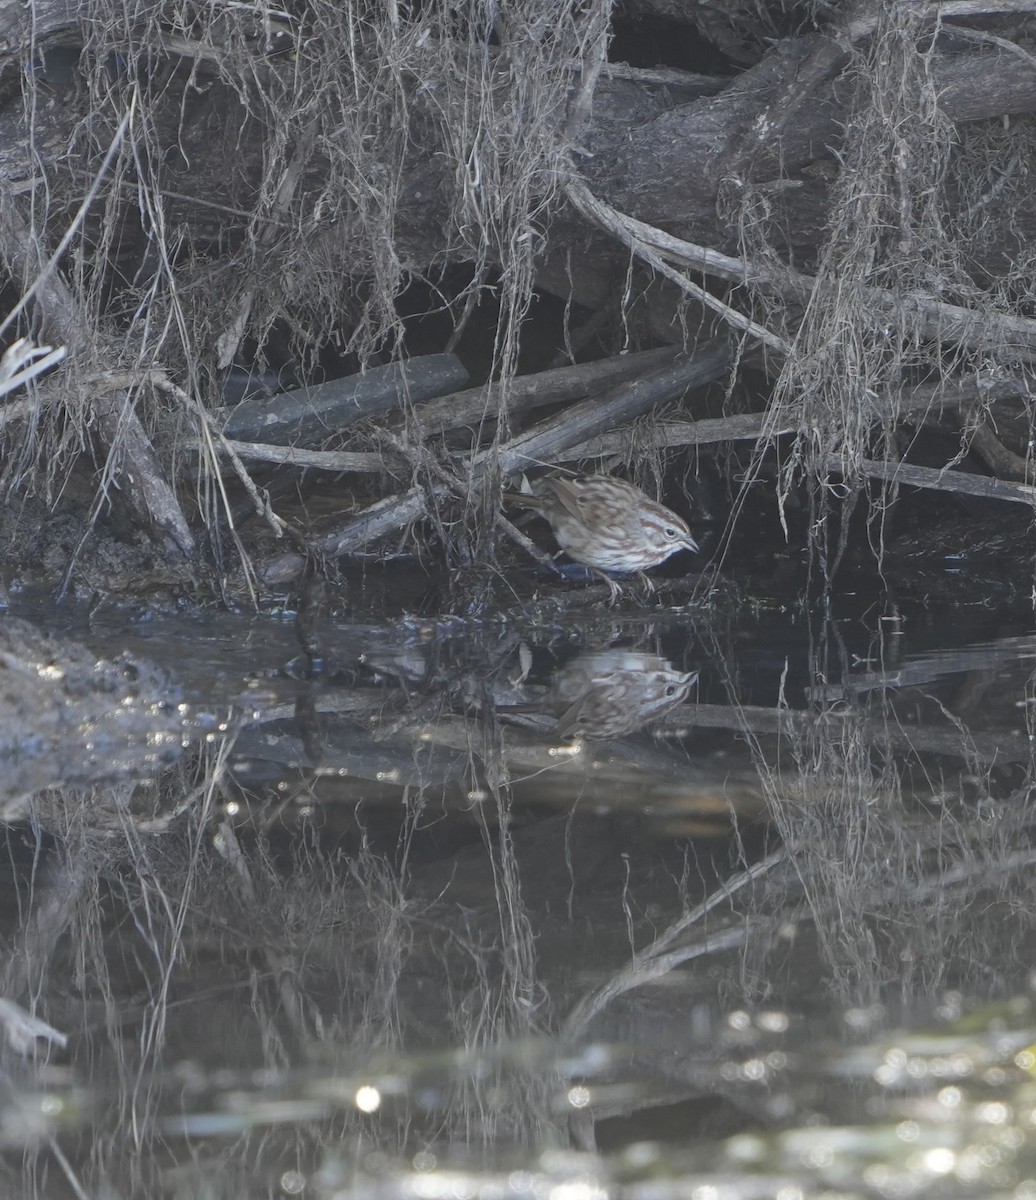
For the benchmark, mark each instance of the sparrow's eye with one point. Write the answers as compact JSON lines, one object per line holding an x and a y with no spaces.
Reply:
{"x":670,"y":532}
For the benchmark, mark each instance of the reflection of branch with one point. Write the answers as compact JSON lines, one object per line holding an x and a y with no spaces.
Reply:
{"x":660,"y":957}
{"x":1003,"y":746}
{"x":989,"y":656}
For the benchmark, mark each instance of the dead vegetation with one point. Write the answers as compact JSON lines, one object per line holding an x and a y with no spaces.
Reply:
{"x":843,"y":214}
{"x":327,"y":186}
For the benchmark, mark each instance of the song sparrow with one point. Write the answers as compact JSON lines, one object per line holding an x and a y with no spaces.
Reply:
{"x":610,"y":693}
{"x":606,"y":523}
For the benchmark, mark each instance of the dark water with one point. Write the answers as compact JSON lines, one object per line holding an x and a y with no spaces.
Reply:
{"x":723,"y":901}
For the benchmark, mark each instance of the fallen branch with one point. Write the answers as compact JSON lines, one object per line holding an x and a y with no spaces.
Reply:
{"x":362,"y":462}
{"x":544,"y":444}
{"x":671,"y":77}
{"x":623,"y":442}
{"x":310,"y":414}
{"x":470,"y":407}
{"x":626,"y":230}
{"x":961,"y":482}
{"x":547,"y":442}
{"x":557,"y":386}
{"x":1003,"y":462}
{"x":925,"y":400}
{"x":928,"y":318}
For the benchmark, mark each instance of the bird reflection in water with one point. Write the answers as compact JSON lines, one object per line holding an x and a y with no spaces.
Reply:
{"x":606,"y":694}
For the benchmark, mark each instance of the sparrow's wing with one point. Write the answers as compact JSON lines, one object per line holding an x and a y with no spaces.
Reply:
{"x":567,"y":494}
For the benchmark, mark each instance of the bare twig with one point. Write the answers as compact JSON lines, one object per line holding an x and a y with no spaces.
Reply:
{"x":210,"y":439}
{"x":23,"y":362}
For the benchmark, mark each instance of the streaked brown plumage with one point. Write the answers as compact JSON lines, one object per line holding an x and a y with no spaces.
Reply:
{"x":607,"y":694}
{"x":606,"y":523}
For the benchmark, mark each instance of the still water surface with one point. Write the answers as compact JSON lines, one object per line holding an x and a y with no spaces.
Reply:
{"x":651,"y":904}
